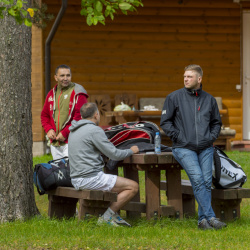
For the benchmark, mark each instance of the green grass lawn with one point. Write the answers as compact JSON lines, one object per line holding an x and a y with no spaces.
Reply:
{"x":44,"y":233}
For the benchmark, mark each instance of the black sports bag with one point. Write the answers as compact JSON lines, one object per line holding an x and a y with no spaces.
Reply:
{"x":48,"y":176}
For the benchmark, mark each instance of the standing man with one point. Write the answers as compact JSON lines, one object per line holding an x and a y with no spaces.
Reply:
{"x":62,"y":105}
{"x":191,"y":118}
{"x":87,"y":141}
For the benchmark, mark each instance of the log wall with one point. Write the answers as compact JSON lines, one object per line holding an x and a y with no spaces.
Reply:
{"x":37,"y":80}
{"x":145,"y":52}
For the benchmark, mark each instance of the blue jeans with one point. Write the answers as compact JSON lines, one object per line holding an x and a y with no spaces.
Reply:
{"x":198,"y":167}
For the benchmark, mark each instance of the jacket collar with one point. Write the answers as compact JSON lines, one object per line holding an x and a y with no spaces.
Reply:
{"x":65,"y":88}
{"x":194,"y":92}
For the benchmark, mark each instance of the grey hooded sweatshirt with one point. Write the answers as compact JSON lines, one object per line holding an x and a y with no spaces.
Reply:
{"x":86,"y":143}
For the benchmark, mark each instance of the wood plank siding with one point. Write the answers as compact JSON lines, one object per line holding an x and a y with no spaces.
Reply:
{"x":37,"y":80}
{"x":145,"y":52}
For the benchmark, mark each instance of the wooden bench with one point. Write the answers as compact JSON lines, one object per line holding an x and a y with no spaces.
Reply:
{"x":225,"y":202}
{"x":63,"y":200}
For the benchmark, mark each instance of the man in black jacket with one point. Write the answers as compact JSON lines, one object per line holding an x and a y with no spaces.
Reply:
{"x":191,"y":118}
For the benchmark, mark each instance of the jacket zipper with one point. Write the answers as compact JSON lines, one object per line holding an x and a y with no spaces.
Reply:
{"x":75,"y":99}
{"x":58,"y":113}
{"x":195,"y":120}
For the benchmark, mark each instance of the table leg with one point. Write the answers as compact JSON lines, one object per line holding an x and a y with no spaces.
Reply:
{"x":152,"y":186}
{"x":174,"y":193}
{"x":131,"y":173}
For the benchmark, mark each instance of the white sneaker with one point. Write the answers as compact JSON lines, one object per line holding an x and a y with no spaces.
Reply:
{"x":110,"y":221}
{"x":120,"y":221}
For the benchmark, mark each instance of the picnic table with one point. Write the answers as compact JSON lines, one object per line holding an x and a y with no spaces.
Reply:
{"x":62,"y":200}
{"x":180,"y":197}
{"x":152,"y":165}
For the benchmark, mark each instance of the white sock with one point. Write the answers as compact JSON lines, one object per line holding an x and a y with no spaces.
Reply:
{"x":109,"y":212}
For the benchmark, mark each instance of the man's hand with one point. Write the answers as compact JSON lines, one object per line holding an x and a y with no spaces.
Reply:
{"x":51,"y":134}
{"x":135,"y":149}
{"x":60,"y":137}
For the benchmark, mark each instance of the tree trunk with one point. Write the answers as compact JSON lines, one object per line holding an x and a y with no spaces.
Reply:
{"x":17,"y":199}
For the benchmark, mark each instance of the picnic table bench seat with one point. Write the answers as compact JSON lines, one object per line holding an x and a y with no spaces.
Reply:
{"x":225,"y":202}
{"x":63,"y":200}
{"x":62,"y":203}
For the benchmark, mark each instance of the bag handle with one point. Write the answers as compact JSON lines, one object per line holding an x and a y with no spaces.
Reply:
{"x":125,"y":125}
{"x":217,"y":166}
{"x":65,"y":157}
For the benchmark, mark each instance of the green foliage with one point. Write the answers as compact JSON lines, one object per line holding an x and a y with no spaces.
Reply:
{"x":96,"y":11}
{"x":17,"y":11}
{"x":41,"y":16}
{"x":22,"y":13}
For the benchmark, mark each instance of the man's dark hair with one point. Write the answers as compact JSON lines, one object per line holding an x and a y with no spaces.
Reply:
{"x":62,"y":66}
{"x":88,"y":110}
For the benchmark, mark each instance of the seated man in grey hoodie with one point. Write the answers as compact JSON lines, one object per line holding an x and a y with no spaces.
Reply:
{"x":87,"y":141}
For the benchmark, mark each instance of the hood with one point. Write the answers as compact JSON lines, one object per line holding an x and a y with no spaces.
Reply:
{"x":80,"y":89}
{"x":77,"y":124}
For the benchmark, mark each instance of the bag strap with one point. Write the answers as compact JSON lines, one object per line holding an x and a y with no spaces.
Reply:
{"x":242,"y":181}
{"x":220,"y":151}
{"x":39,"y":191}
{"x":217,"y":166}
{"x":126,"y":125}
{"x":63,"y":158}
{"x":37,"y":180}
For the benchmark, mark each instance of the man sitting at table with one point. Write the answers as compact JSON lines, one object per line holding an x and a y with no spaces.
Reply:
{"x":87,"y":141}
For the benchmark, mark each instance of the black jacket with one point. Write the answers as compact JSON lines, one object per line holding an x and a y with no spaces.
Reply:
{"x":191,"y":119}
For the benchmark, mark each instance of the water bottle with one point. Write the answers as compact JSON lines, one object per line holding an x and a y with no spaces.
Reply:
{"x":157,"y":143}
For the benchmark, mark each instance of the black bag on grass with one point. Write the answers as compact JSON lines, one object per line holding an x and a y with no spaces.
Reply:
{"x":48,"y":176}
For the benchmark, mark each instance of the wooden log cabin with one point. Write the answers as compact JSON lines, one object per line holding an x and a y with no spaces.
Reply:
{"x":145,"y":52}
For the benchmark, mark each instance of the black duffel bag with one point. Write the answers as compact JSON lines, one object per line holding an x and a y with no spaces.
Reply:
{"x":48,"y":176}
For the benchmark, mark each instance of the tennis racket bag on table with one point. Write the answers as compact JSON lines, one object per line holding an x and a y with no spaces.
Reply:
{"x":226,"y":172}
{"x":141,"y":134}
{"x":132,"y":132}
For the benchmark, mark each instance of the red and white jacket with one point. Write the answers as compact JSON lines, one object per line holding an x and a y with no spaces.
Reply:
{"x":77,"y":99}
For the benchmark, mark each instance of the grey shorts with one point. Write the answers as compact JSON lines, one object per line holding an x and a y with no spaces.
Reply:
{"x":102,"y":181}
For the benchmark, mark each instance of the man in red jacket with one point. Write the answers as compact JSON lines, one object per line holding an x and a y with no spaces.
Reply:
{"x":62,"y":105}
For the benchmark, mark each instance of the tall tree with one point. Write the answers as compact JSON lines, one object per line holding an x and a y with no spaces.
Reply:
{"x":17,"y":199}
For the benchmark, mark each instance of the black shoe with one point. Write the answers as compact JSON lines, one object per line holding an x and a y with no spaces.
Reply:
{"x":204,"y":225}
{"x":216,"y":223}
